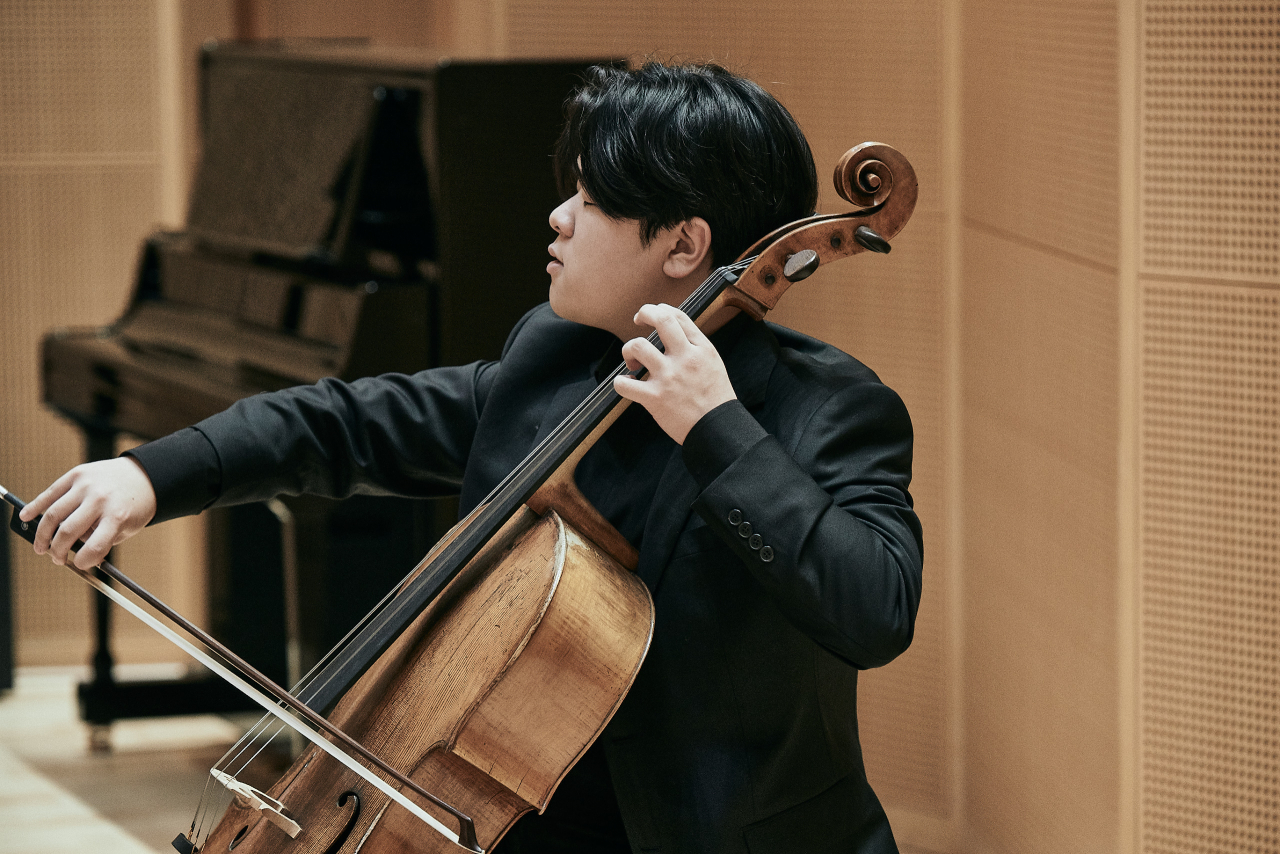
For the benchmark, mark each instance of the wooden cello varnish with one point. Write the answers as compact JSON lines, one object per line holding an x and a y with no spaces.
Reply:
{"x":515,"y":665}
{"x":496,"y":694}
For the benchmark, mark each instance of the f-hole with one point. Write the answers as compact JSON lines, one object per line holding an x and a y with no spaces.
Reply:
{"x":238,"y":837}
{"x":348,"y":795}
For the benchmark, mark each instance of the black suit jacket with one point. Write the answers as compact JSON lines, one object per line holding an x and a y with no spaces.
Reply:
{"x":740,"y":733}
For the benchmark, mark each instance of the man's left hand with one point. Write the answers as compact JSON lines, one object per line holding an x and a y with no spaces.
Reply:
{"x":685,"y":382}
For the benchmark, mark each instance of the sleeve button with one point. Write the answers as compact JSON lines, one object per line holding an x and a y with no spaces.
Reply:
{"x":766,"y":554}
{"x":735,"y":517}
{"x":755,"y":542}
{"x":744,"y":530}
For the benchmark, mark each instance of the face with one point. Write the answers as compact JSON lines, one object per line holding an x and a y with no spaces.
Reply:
{"x":601,"y":273}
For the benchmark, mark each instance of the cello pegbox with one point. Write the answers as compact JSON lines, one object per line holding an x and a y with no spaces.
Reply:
{"x":873,"y":176}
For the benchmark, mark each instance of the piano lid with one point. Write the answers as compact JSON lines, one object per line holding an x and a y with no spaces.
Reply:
{"x":365,"y":185}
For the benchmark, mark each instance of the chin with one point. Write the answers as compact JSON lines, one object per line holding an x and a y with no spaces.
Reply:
{"x":557,"y":302}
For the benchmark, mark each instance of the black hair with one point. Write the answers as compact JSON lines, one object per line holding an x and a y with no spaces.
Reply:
{"x":661,"y":144}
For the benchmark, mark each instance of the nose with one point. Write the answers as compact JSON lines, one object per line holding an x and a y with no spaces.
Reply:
{"x":561,"y":218}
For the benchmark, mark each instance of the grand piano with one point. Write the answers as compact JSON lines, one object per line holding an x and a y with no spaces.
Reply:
{"x":356,"y":210}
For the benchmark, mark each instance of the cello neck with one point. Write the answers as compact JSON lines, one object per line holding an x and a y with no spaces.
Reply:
{"x":562,"y":446}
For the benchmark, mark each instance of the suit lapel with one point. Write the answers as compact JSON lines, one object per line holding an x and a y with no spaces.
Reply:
{"x":566,"y":399}
{"x":672,"y":504}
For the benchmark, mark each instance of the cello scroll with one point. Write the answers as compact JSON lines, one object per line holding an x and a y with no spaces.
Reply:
{"x":874,"y":176}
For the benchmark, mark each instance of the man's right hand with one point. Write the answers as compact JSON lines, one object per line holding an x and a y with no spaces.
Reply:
{"x":102,"y":503}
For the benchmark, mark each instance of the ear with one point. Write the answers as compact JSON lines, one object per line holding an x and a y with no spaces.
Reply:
{"x":690,"y":249}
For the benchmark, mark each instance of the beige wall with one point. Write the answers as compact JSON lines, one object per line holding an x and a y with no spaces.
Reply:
{"x":1040,"y":397}
{"x":1083,"y":317}
{"x":92,"y":159}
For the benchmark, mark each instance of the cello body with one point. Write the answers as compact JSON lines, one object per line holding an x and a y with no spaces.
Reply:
{"x":503,"y":656}
{"x":498,"y":688}
{"x":487,"y":706}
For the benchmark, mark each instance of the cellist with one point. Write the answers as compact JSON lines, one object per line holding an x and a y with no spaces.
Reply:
{"x":763,"y":478}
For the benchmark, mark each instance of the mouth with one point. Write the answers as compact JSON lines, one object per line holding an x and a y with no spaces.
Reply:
{"x":555,"y":263}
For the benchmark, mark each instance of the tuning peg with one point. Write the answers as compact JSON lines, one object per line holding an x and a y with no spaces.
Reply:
{"x":870,"y":240}
{"x":800,"y":265}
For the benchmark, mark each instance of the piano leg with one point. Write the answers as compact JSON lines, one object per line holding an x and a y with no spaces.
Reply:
{"x":97,"y":698}
{"x":103,"y":700}
{"x":292,"y":608}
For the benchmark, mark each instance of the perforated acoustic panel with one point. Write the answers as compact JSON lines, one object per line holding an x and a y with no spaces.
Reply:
{"x":849,"y":72}
{"x":1210,"y":131}
{"x":1210,"y":572}
{"x":1209,"y":490}
{"x":77,"y":78}
{"x":79,"y":171}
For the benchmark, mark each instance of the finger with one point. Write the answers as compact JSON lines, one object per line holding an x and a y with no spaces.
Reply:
{"x":637,"y":391}
{"x":665,"y":320}
{"x":52,"y":493}
{"x":692,"y":332}
{"x":643,"y":354}
{"x":97,"y":546}
{"x":54,"y":517}
{"x":73,"y":529}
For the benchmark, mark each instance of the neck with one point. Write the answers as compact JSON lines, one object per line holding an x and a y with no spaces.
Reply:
{"x":675,"y":293}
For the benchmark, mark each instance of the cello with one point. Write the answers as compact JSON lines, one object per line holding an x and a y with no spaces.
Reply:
{"x":488,"y":672}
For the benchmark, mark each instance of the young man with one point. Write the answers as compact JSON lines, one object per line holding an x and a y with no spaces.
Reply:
{"x":763,"y":479}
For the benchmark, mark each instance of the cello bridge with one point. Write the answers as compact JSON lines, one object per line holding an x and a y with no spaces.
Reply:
{"x":250,"y":798}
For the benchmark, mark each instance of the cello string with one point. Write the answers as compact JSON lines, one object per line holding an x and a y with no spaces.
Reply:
{"x":200,"y":823}
{"x":265,"y":742}
{"x":711,"y":286}
{"x":302,"y":684}
{"x":245,"y":742}
{"x":336,"y":750}
{"x":601,"y":398}
{"x":602,"y":395}
{"x":221,"y":799}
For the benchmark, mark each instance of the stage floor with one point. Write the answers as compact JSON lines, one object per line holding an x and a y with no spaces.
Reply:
{"x":57,"y":797}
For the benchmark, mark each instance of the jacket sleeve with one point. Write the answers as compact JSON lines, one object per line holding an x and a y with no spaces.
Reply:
{"x":825,"y":525}
{"x":394,"y":435}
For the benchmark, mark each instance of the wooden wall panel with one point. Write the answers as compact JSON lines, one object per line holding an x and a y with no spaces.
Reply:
{"x":1210,"y":510}
{"x":888,"y":312}
{"x":1041,"y":123}
{"x":1040,"y":390}
{"x":1040,"y":414}
{"x":388,"y":22}
{"x":1210,"y":132}
{"x":883,"y":84}
{"x":79,"y":79}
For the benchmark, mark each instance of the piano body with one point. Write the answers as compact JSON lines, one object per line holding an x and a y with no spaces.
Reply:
{"x":356,"y":211}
